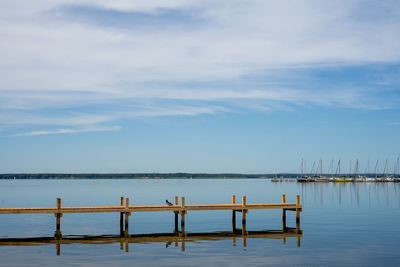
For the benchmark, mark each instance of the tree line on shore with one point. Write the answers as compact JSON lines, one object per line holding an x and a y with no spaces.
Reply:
{"x":140,"y":176}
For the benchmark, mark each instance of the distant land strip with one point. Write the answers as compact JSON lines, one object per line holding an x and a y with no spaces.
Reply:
{"x":143,"y":176}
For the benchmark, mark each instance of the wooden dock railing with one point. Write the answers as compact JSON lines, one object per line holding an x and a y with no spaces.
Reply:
{"x":125,"y":210}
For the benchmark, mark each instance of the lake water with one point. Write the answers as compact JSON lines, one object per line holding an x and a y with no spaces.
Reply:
{"x":341,"y":223}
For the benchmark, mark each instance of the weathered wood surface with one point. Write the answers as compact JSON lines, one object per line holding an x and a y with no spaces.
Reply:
{"x":144,"y":208}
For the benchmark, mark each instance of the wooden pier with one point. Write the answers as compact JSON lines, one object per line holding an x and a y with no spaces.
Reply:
{"x":126,"y":209}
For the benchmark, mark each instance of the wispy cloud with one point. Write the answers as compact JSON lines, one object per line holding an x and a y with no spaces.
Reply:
{"x":69,"y":131}
{"x":74,"y":119}
{"x":75,"y":122}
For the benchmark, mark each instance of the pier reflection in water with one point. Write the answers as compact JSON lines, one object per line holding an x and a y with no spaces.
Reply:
{"x":176,"y":238}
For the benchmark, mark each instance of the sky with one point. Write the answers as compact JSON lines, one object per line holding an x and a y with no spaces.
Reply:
{"x":198,"y":85}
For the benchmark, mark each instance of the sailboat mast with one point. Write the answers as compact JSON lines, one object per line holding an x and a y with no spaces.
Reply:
{"x":312,"y":169}
{"x":302,"y":167}
{"x":386,"y":169}
{"x":376,"y":168}
{"x":349,"y":175}
{"x":356,"y":169}
{"x":337,"y":173}
{"x":320,"y":168}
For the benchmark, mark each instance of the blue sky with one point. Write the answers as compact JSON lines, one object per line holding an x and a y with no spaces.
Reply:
{"x":197,"y":86}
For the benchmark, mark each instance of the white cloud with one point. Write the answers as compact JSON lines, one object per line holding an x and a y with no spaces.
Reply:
{"x":236,"y":38}
{"x":51,"y":59}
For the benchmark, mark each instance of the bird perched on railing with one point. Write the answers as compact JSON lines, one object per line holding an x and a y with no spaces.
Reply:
{"x":168,"y":203}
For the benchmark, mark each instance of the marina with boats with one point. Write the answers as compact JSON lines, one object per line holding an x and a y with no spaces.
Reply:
{"x":336,"y":173}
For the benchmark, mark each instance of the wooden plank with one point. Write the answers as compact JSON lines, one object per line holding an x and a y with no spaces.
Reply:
{"x":145,"y":208}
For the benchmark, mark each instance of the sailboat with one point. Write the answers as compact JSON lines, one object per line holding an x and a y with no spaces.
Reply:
{"x":303,"y":178}
{"x":370,"y":179}
{"x":320,"y":177}
{"x":338,"y":178}
{"x":396,"y":173}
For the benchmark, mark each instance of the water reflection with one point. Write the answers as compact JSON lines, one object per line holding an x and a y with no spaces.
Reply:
{"x":177,"y":239}
{"x":351,"y":194}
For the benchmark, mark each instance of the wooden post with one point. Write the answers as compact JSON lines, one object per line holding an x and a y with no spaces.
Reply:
{"x":182,"y":221}
{"x":183,"y":215}
{"x":284,"y":239}
{"x":298,"y":241}
{"x":176,"y":214}
{"x":244,"y":222}
{"x":244,"y":241}
{"x":183,"y":244}
{"x":58,"y":227}
{"x":233,"y":241}
{"x":297,"y":214}
{"x":233,"y":215}
{"x":127,"y":214}
{"x":58,"y":203}
{"x":244,"y":211}
{"x":283,"y":214}
{"x":58,"y":218}
{"x":176,"y":222}
{"x":121,"y":219}
{"x":58,"y":247}
{"x":127,"y":203}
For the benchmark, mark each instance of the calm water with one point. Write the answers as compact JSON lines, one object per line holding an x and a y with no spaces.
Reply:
{"x":342,"y":223}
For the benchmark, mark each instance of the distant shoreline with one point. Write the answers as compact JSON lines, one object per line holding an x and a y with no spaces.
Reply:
{"x":21,"y":176}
